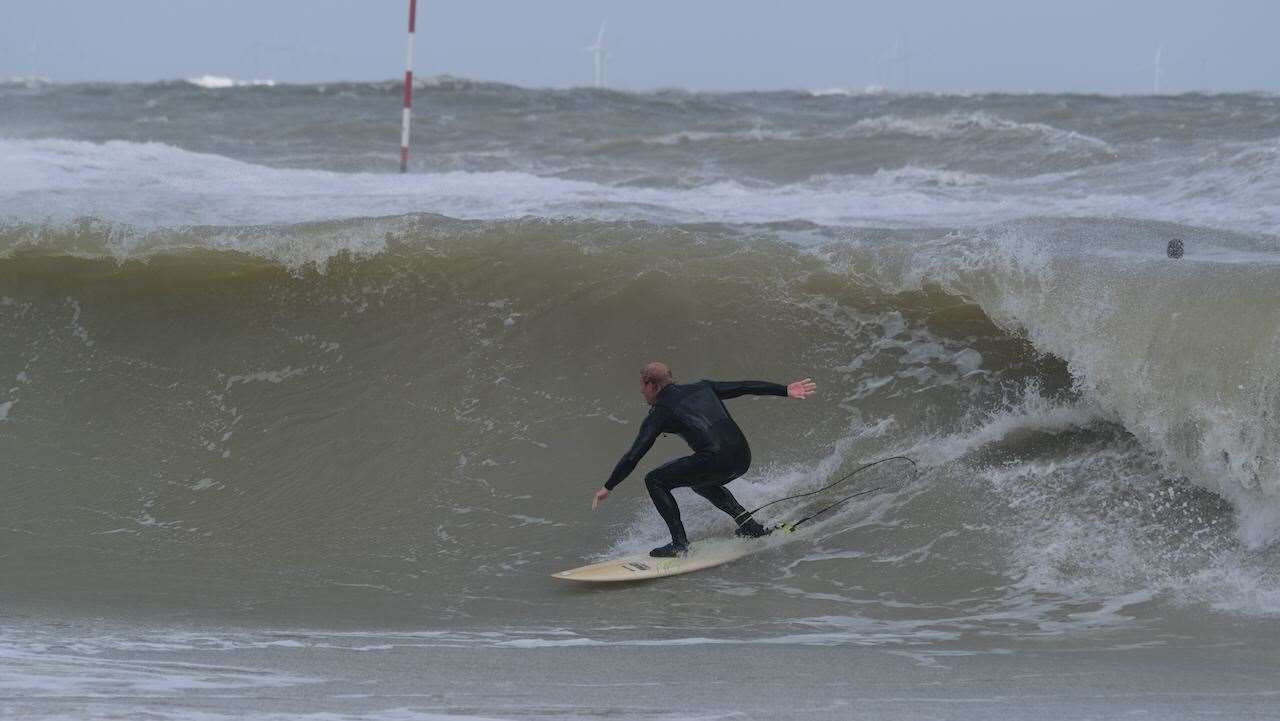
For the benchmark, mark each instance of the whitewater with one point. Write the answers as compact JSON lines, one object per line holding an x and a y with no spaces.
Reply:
{"x":287,"y":434}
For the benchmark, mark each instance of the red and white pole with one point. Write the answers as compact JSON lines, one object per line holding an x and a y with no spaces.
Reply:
{"x":408,"y":91}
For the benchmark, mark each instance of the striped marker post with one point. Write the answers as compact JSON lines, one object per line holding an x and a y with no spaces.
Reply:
{"x":408,"y":91}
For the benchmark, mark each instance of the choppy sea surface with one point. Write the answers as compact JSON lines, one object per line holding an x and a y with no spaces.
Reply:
{"x":286,"y":434}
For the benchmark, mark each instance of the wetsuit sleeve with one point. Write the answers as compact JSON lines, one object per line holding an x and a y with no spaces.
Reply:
{"x":733,"y":389}
{"x":649,"y":430}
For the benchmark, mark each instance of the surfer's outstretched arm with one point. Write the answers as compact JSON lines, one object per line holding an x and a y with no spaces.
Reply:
{"x":649,"y":431}
{"x":733,"y":389}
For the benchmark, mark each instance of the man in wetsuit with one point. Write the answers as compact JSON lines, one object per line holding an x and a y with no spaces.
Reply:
{"x":696,"y":412}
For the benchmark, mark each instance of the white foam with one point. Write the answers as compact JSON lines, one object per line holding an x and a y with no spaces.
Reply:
{"x":959,"y":125}
{"x":59,"y":666}
{"x":186,"y":713}
{"x":271,"y":376}
{"x":848,"y":92}
{"x":754,"y":135}
{"x":1236,"y":586}
{"x":205,"y":484}
{"x":29,"y":81}
{"x":925,"y":177}
{"x":1100,"y":527}
{"x":77,"y":329}
{"x":219,"y":82}
{"x":62,"y":180}
{"x":1031,"y":413}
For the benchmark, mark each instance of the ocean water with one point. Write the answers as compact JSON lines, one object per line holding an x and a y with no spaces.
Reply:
{"x":286,"y":434}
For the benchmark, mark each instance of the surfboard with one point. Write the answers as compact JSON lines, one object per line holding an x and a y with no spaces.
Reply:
{"x":641,"y":566}
{"x":716,"y":552}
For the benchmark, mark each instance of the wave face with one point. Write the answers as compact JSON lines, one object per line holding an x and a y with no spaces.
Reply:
{"x":248,"y":373}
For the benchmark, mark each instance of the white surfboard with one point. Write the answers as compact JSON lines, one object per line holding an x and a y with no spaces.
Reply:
{"x":702,"y":554}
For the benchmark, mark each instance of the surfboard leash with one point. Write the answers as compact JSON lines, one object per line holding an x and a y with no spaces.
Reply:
{"x":791,"y":527}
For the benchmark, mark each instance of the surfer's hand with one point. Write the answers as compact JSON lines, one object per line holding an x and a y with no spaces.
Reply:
{"x":801,"y":389}
{"x":601,"y":494}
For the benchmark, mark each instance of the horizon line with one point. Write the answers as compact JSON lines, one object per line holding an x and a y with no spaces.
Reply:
{"x":234,"y":83}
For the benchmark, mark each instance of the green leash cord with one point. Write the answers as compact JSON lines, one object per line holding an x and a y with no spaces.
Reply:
{"x":791,"y":527}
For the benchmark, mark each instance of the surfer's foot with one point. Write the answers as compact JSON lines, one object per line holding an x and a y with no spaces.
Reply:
{"x":752,"y":529}
{"x":671,"y":550}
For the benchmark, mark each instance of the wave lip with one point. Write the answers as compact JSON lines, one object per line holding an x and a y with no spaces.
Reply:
{"x":1160,"y":345}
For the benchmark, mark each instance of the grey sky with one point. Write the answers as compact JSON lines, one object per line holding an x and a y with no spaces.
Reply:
{"x":1076,"y":45}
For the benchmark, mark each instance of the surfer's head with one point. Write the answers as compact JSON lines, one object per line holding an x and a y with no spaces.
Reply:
{"x":653,"y":378}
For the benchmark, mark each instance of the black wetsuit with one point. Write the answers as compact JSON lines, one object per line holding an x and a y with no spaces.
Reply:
{"x":696,"y":413}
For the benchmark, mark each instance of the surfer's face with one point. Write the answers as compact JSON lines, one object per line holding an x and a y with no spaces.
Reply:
{"x":649,"y":390}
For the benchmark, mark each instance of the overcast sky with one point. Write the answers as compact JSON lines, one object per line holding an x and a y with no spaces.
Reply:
{"x":954,"y":45}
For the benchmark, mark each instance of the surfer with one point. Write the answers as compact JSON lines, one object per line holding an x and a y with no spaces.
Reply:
{"x":696,"y":412}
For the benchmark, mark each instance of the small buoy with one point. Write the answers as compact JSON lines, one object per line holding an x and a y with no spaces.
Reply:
{"x":1175,"y":248}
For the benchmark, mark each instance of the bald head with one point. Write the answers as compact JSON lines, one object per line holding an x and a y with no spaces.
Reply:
{"x":656,"y":372}
{"x":653,"y":378}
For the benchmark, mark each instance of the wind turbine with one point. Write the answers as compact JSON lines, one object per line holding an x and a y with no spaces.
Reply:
{"x":900,"y":55}
{"x":1158,"y":65}
{"x":597,"y":48}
